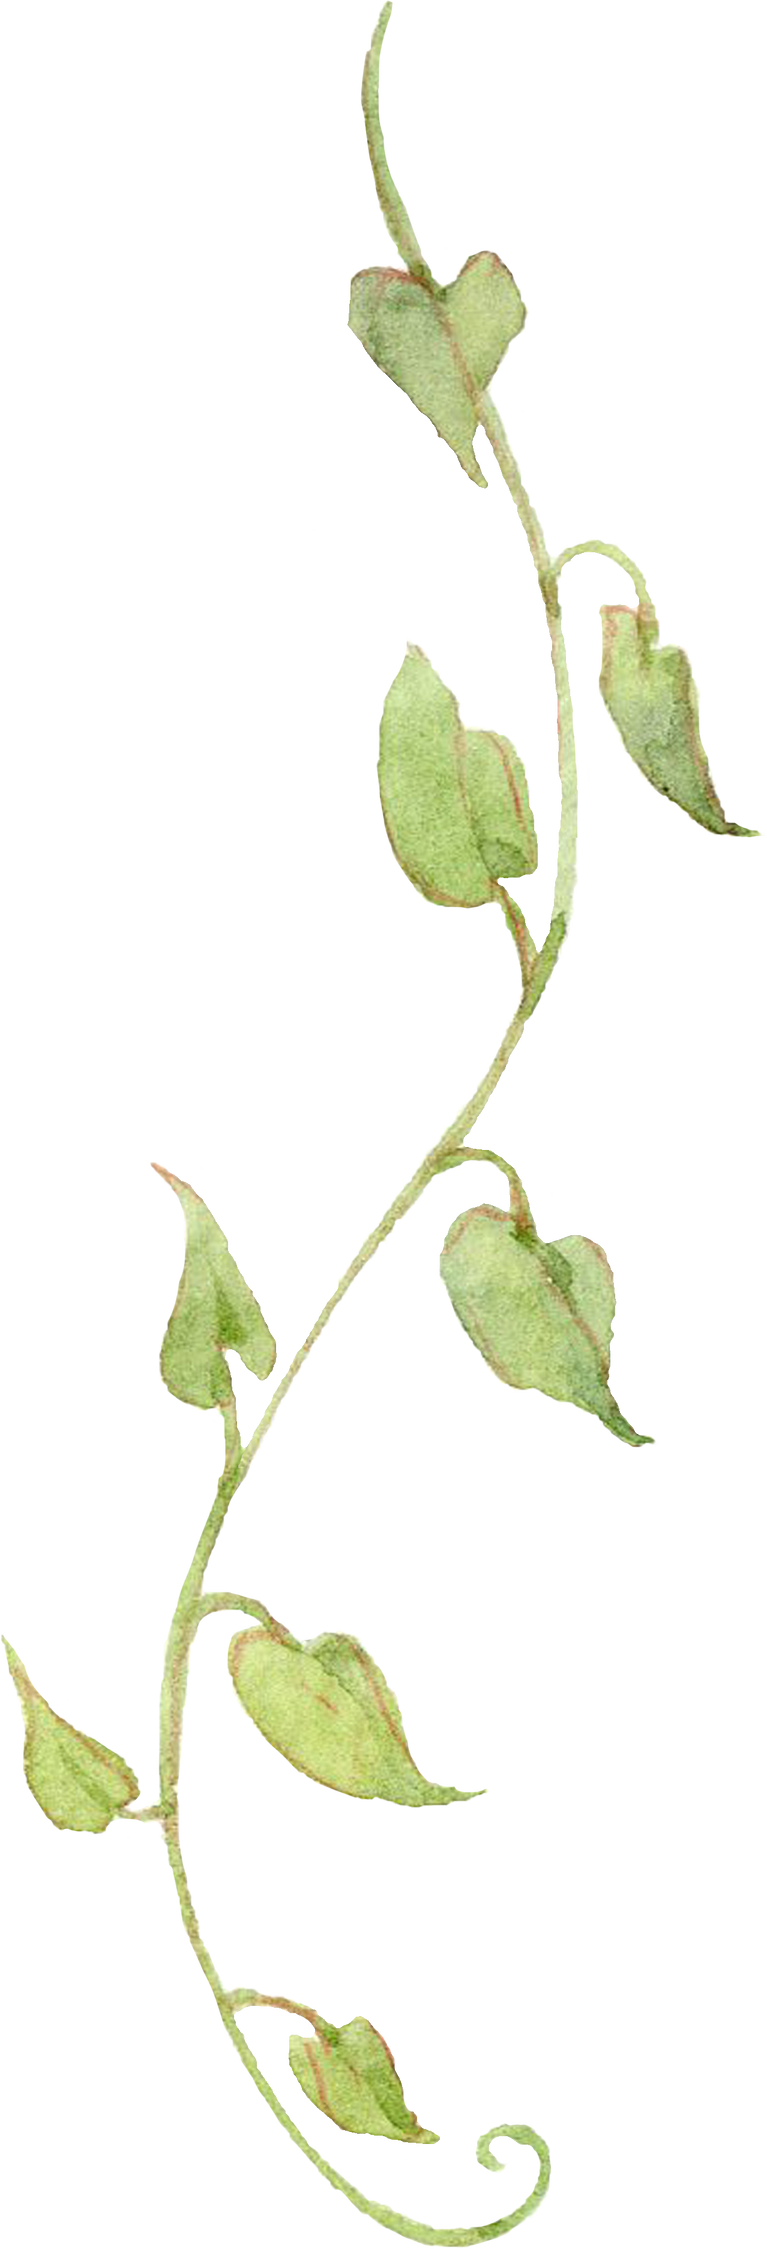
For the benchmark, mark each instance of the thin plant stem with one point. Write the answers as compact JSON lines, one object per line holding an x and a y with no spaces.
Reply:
{"x":398,"y":222}
{"x":612,"y":554}
{"x":517,"y":925}
{"x":192,"y":1604}
{"x":394,"y":2220}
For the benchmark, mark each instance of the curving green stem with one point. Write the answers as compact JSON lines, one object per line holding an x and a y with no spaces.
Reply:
{"x":612,"y":554}
{"x":408,"y":2229}
{"x":237,"y":1458}
{"x":193,"y":1604}
{"x":397,"y":220}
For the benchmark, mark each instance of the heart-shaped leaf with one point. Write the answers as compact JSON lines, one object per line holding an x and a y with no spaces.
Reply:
{"x":349,"y":2074}
{"x":214,"y":1312}
{"x":499,"y":806}
{"x":77,"y":1782}
{"x":440,"y":346}
{"x":328,"y":1709}
{"x":650,"y":693}
{"x":541,"y":1313}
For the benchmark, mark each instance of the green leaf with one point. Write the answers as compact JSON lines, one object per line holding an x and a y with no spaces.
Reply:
{"x":349,"y":2074}
{"x":541,"y":1313}
{"x":486,"y":312}
{"x":360,"y":1677}
{"x":328,"y":1709}
{"x":214,"y":1312}
{"x":455,"y":804}
{"x":77,"y":1782}
{"x":650,"y":693}
{"x":499,"y":806}
{"x":443,"y":346}
{"x":421,"y":772}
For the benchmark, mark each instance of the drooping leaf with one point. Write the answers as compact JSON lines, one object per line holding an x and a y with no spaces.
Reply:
{"x":214,"y":1312}
{"x":349,"y":2074}
{"x":541,"y":1313}
{"x":328,"y":1709}
{"x":499,"y":806}
{"x":77,"y":1782}
{"x":650,"y":693}
{"x":421,"y":772}
{"x":440,"y":346}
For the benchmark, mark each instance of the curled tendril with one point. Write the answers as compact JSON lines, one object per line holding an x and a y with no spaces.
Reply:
{"x":491,"y":2146}
{"x":435,"y":2237}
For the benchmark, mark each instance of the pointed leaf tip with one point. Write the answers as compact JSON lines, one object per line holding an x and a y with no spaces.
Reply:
{"x":77,"y":1783}
{"x":540,"y":1313}
{"x":441,"y":347}
{"x":329,"y":1710}
{"x":651,"y":696}
{"x":455,"y":805}
{"x":349,"y":2074}
{"x":214,"y":1312}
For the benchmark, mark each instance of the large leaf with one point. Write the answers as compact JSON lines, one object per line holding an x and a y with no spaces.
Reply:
{"x":499,"y":806}
{"x":76,"y":1782}
{"x":441,"y":347}
{"x":328,"y":1709}
{"x":349,"y":2074}
{"x":421,"y":770}
{"x":650,"y":693}
{"x":214,"y":1312}
{"x":455,"y":804}
{"x":541,"y":1313}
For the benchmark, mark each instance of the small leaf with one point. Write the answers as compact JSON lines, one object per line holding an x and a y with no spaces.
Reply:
{"x":421,"y":771}
{"x":77,"y":1782}
{"x":328,"y":1709}
{"x":486,"y":312}
{"x":441,"y":346}
{"x":499,"y":806}
{"x":541,"y":1313}
{"x":349,"y":2074}
{"x":650,"y":693}
{"x":214,"y":1312}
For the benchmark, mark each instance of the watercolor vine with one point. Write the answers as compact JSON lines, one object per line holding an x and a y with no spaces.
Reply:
{"x":457,"y":812}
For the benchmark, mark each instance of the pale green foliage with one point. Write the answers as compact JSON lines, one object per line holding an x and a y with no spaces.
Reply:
{"x":354,"y":1667}
{"x":485,"y":312}
{"x":541,"y":1313}
{"x":349,"y":2074}
{"x":77,"y":1782}
{"x":441,"y":346}
{"x":421,"y":770}
{"x":214,"y":1312}
{"x":650,"y":693}
{"x":328,"y":1709}
{"x":499,"y":806}
{"x":455,"y":804}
